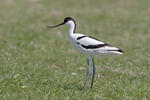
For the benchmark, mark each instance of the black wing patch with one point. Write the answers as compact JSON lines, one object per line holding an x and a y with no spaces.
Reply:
{"x":81,"y":37}
{"x":94,"y":46}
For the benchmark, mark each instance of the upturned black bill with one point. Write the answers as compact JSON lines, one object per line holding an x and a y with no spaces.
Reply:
{"x":56,"y":25}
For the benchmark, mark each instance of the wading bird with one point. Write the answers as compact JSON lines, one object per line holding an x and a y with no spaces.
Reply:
{"x":87,"y":45}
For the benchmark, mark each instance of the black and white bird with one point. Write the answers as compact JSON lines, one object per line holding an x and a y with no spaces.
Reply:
{"x":87,"y":45}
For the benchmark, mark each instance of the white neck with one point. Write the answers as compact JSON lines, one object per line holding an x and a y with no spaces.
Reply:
{"x":71,"y":26}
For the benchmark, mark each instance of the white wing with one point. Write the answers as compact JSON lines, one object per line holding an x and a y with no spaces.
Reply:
{"x":87,"y":40}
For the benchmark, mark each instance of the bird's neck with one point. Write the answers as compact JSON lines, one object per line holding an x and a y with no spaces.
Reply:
{"x":71,"y":28}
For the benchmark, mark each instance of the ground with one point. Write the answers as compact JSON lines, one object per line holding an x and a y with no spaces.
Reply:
{"x":40,"y":64}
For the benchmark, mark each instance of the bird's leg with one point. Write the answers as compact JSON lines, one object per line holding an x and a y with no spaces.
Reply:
{"x":87,"y":73}
{"x":93,"y":72}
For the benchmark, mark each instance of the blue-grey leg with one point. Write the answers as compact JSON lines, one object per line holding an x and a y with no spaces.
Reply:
{"x":87,"y":73}
{"x":93,"y":72}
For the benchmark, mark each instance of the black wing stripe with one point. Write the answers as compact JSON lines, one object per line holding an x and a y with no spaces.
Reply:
{"x":94,"y":46}
{"x":81,"y":37}
{"x":86,"y":36}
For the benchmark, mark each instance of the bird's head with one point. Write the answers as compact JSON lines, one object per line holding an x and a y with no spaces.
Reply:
{"x":68,"y":20}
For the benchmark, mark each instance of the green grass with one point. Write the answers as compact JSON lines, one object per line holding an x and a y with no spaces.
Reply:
{"x":38,"y":64}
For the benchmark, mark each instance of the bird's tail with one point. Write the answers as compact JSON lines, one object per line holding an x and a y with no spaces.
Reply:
{"x":118,"y":51}
{"x":112,"y":50}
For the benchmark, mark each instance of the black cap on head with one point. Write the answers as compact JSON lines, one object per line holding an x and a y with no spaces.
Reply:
{"x":68,"y":19}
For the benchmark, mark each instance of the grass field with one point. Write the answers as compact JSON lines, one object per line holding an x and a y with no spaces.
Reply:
{"x":40,"y":64}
